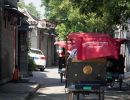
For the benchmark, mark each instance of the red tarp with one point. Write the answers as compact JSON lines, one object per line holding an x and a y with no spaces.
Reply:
{"x":94,"y":45}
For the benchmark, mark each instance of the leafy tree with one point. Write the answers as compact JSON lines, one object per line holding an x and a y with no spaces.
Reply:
{"x":113,"y":12}
{"x":63,"y":12}
{"x":119,"y":10}
{"x":30,"y":7}
{"x":21,"y":4}
{"x":32,"y":10}
{"x":61,"y":28}
{"x":87,"y":15}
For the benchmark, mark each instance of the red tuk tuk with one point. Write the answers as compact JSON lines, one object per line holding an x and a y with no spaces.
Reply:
{"x":87,"y":71}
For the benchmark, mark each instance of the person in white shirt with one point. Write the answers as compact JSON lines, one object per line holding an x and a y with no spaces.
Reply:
{"x":73,"y":53}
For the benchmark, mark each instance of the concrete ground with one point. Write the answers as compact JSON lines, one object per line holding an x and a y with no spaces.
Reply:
{"x":18,"y":90}
{"x":47,"y":86}
{"x":52,"y":89}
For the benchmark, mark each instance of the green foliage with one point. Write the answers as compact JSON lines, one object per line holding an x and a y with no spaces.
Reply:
{"x":31,"y":65}
{"x":21,"y":4}
{"x":86,"y":15}
{"x":119,"y":10}
{"x":30,"y":7}
{"x":61,"y":28}
{"x":32,"y":10}
{"x":112,"y":12}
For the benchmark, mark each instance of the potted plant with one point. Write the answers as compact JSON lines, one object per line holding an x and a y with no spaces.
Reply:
{"x":31,"y":66}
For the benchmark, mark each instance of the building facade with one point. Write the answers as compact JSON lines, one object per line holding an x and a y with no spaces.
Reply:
{"x":23,"y":29}
{"x":46,"y":37}
{"x":8,"y":39}
{"x":41,"y":36}
{"x":124,"y":33}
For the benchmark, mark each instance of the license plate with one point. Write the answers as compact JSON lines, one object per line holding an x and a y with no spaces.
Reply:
{"x":87,"y":88}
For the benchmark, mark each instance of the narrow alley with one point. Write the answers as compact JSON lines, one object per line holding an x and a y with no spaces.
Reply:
{"x":52,"y":89}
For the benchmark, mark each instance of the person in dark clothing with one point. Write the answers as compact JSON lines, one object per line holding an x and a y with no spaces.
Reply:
{"x":62,"y":59}
{"x":116,"y":68}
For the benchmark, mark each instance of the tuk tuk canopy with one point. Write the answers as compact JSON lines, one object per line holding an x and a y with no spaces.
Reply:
{"x":95,"y":45}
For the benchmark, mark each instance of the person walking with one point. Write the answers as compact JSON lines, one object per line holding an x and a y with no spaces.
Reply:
{"x":62,"y":59}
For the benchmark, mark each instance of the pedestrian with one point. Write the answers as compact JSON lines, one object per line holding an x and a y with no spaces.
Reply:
{"x":62,"y":59}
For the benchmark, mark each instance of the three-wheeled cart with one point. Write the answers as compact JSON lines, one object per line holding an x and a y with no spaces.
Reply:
{"x":86,"y":77}
{"x":88,"y":72}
